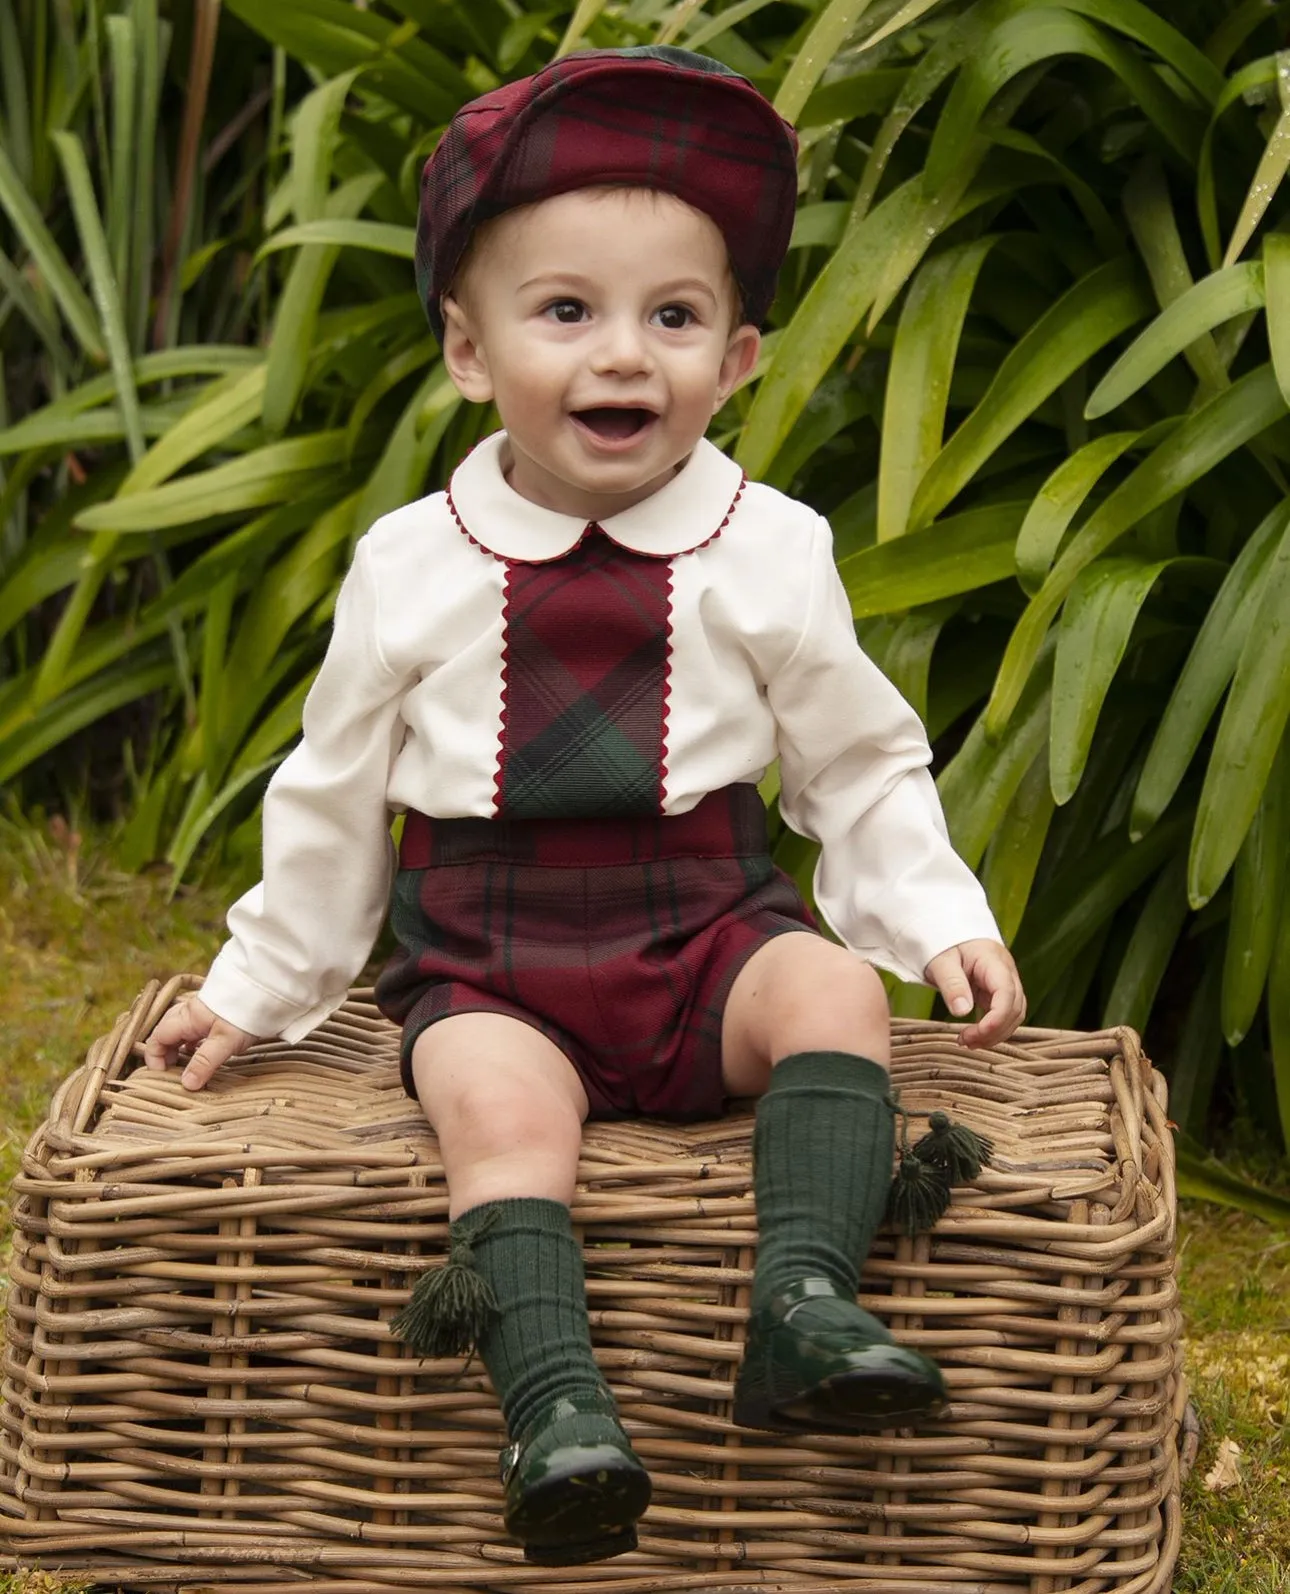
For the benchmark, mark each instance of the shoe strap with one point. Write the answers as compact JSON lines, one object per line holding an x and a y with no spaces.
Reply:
{"x":792,"y":1295}
{"x":583,"y":1403}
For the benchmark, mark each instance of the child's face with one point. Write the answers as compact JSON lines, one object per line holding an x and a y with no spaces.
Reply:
{"x":601,"y":324}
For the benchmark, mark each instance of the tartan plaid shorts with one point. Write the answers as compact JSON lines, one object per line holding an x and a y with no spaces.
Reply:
{"x":618,"y":939}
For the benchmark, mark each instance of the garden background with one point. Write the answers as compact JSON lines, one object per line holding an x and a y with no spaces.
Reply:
{"x":1031,"y":354}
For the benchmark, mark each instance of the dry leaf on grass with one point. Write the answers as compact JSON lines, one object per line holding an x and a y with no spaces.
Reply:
{"x":1226,"y":1471}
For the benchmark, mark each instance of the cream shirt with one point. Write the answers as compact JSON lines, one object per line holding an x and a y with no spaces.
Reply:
{"x":406,"y":712}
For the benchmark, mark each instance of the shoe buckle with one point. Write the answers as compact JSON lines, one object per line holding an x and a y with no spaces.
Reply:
{"x":507,"y":1461}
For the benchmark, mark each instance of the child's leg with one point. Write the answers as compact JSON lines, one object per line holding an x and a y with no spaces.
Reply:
{"x":807,"y":1024}
{"x":507,"y":1107}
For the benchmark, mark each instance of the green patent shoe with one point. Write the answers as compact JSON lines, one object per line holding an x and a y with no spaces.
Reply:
{"x":575,"y":1488}
{"x":831,"y":1368}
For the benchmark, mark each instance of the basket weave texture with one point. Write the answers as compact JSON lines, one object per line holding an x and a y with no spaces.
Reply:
{"x":200,"y":1389}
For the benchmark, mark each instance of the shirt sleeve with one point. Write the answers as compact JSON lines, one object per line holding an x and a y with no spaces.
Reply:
{"x":299,"y":937}
{"x":854,"y":776}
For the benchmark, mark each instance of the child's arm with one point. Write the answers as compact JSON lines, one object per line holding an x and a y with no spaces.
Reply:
{"x":854,"y":776}
{"x":300,"y":936}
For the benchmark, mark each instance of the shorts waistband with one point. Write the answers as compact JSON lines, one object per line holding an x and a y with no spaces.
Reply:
{"x":730,"y":823}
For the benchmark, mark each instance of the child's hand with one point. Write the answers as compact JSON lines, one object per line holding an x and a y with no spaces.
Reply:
{"x":189,"y":1024}
{"x":982,"y":972}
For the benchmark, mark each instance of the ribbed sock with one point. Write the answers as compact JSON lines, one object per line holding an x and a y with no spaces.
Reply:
{"x":539,"y":1346}
{"x":822,"y":1150}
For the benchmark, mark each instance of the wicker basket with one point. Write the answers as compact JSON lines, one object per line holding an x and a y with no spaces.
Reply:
{"x":200,"y":1388}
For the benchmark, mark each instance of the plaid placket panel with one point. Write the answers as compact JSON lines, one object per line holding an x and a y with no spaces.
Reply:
{"x":585,"y":660}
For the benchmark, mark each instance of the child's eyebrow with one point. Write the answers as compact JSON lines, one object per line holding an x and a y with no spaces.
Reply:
{"x":575,"y":280}
{"x":561,"y":278}
{"x":689,"y":285}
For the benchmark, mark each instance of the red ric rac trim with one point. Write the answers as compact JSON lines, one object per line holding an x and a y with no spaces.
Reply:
{"x":734,"y":503}
{"x":666,"y":704}
{"x":461,"y":527}
{"x":504,"y":728}
{"x":676,"y":553}
{"x":507,"y":558}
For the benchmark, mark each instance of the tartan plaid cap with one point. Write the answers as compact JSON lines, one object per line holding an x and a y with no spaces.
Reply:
{"x":654,"y":117}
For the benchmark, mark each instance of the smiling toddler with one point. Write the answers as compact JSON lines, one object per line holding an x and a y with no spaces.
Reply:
{"x":570,"y":670}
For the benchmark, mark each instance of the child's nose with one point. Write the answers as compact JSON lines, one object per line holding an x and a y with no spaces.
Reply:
{"x":623,"y":347}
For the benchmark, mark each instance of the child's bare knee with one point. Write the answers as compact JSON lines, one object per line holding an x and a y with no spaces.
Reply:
{"x":490,"y":1084}
{"x":506,"y":1106}
{"x":870,"y":992}
{"x":849,"y":995}
{"x":817,"y":977}
{"x":801,"y":993}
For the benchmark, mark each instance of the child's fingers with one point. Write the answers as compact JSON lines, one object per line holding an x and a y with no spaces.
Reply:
{"x":980,"y":973}
{"x":996,"y":1024}
{"x":192,"y":1025}
{"x":181,"y":1026}
{"x":159,"y":1045}
{"x":1005,"y":1004}
{"x":947,"y":973}
{"x":223,"y":1042}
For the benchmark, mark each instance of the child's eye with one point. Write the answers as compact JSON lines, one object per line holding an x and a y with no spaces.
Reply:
{"x":568,"y":312}
{"x":674,"y":317}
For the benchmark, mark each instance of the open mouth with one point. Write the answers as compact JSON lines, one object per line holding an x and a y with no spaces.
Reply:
{"x":614,"y":424}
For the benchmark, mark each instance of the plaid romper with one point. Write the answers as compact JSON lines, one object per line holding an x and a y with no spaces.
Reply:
{"x":581,"y":909}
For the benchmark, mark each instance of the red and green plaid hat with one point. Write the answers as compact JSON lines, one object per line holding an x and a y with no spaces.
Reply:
{"x":656,"y":117}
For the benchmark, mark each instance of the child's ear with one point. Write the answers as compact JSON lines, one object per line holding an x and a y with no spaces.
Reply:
{"x":463,"y":353}
{"x":739,"y":361}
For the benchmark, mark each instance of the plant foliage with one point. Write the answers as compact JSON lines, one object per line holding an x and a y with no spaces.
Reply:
{"x":1031,"y":354}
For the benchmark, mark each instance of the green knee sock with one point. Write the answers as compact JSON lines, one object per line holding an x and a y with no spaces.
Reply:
{"x":538,"y":1347}
{"x":822,"y":1150}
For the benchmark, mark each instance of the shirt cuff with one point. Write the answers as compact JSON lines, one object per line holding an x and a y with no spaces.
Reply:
{"x":916,"y":949}
{"x":233,"y":996}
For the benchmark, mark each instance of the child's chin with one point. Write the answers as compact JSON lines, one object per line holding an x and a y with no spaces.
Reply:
{"x":619,"y":486}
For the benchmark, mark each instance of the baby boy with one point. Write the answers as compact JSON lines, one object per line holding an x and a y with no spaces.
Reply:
{"x":570,"y":670}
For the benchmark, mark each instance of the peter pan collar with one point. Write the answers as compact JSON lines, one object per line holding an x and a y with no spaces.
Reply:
{"x":689,"y":511}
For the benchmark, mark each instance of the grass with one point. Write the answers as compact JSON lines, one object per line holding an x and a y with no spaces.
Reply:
{"x":1236,"y":1294}
{"x":78,"y":939}
{"x":39,"y":1583}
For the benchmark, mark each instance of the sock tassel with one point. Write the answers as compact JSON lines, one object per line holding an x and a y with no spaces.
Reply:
{"x":958,"y":1151}
{"x":451,"y":1308}
{"x":948,"y":1154}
